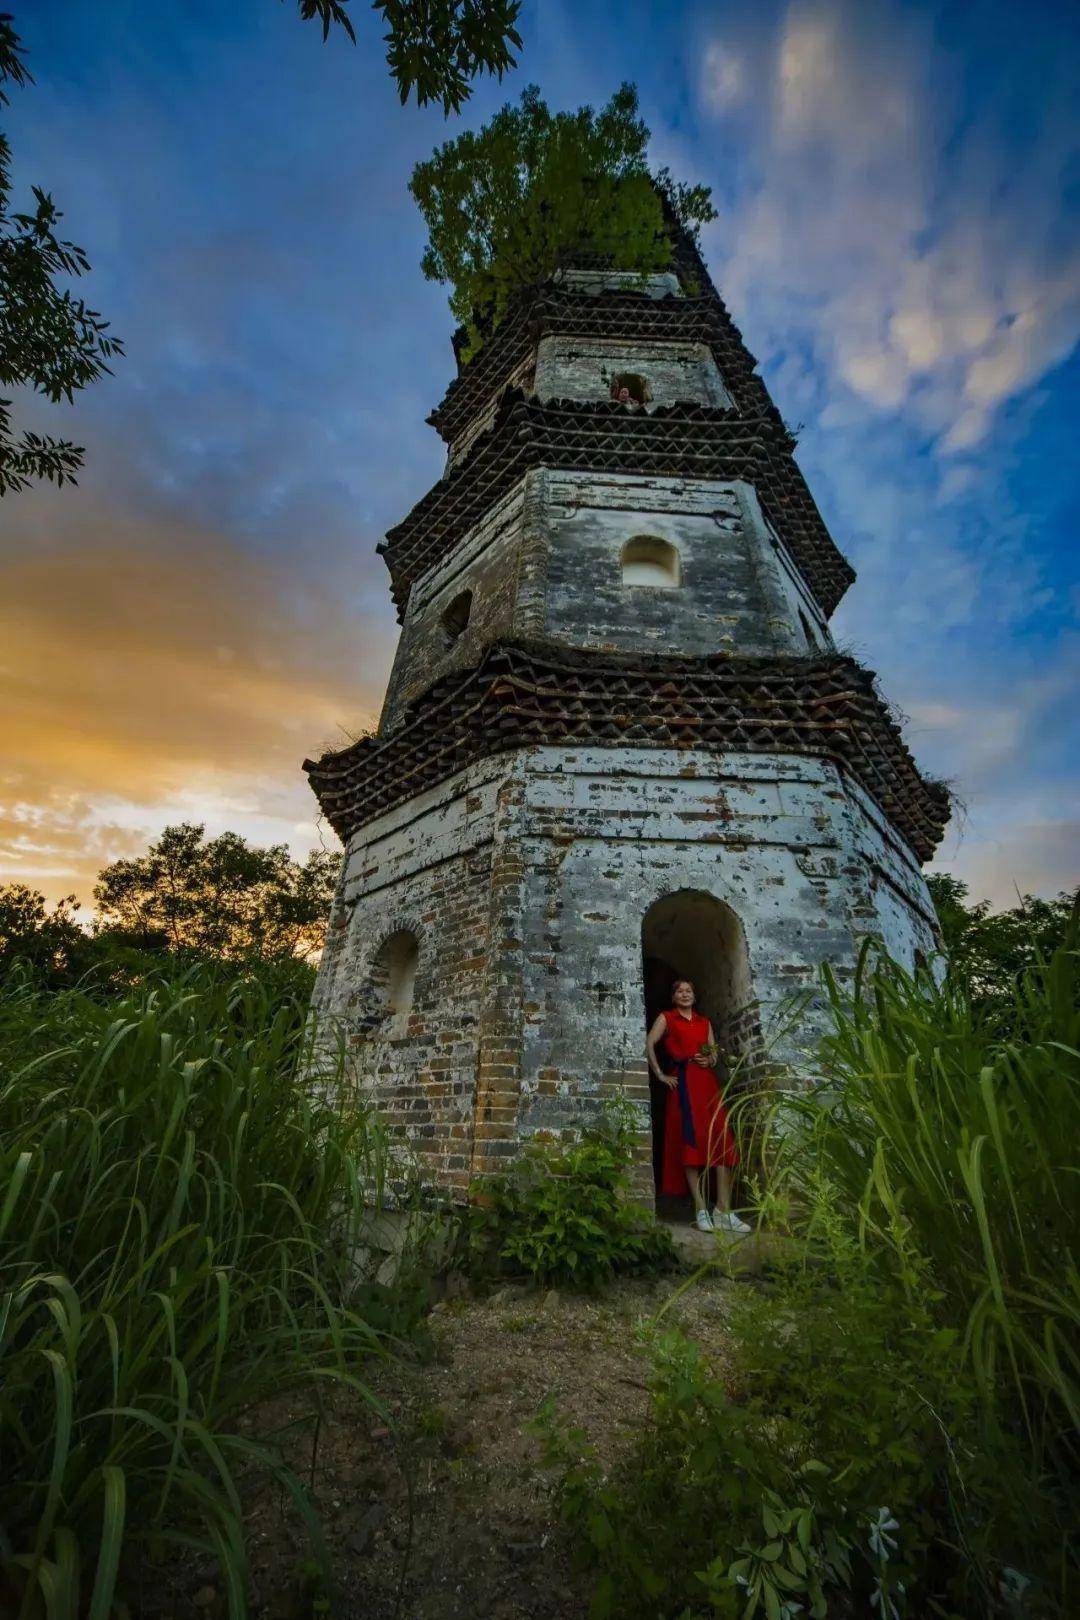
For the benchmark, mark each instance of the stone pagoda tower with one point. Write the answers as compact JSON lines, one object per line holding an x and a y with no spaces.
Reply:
{"x":618,"y":743}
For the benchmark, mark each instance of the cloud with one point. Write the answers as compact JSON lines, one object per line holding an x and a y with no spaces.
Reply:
{"x":826,"y":93}
{"x":723,"y":77}
{"x":894,"y":245}
{"x":920,"y":255}
{"x":179,"y":679}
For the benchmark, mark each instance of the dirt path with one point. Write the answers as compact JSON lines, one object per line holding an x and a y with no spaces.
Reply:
{"x":484,"y":1541}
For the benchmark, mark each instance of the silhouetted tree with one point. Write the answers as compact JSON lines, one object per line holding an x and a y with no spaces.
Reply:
{"x":219,"y":897}
{"x":990,"y":949}
{"x":49,"y":340}
{"x":434,"y":47}
{"x":51,"y":943}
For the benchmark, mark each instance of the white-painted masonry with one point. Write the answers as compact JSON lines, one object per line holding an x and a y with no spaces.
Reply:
{"x":549,"y":895}
{"x":554,"y":961}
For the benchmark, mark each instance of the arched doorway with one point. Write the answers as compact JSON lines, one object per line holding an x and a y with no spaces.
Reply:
{"x":691,"y":934}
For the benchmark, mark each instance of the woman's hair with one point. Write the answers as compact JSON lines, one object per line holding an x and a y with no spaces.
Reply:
{"x":682,"y":980}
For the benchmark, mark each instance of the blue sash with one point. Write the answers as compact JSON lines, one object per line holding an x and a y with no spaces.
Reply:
{"x":689,"y":1135}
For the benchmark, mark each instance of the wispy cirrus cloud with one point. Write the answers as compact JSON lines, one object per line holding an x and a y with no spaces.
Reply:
{"x":898,"y":246}
{"x":928,"y":249}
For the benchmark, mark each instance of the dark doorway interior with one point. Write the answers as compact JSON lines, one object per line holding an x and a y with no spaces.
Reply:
{"x":691,"y":934}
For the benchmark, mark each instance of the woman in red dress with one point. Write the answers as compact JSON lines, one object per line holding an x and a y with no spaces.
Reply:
{"x":697,"y":1134}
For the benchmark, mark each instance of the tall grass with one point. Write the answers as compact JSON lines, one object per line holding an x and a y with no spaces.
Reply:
{"x":182,"y":1187}
{"x":894,"y":1429}
{"x":944,"y":1136}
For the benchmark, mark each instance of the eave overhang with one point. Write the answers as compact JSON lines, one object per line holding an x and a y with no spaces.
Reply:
{"x":683,"y":441}
{"x":529,"y":694}
{"x":625,"y":316}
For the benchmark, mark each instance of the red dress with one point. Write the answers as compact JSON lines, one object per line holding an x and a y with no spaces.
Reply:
{"x":696,"y":1128}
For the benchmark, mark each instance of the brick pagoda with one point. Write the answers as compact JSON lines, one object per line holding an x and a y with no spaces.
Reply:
{"x":618,"y":742}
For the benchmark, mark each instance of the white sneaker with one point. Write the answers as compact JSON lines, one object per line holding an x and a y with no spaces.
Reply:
{"x":703,"y":1221}
{"x":725,"y":1220}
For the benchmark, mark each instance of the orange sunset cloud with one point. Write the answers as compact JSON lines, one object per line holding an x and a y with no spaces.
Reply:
{"x":143,"y":686}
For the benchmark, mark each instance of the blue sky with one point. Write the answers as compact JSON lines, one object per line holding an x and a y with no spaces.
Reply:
{"x":897,"y":239}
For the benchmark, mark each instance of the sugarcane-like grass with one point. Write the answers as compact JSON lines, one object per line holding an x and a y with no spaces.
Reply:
{"x":182,"y":1186}
{"x":942,"y":1138}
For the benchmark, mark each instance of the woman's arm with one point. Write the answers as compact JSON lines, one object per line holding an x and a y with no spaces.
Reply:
{"x":657,"y":1034}
{"x":708,"y":1063}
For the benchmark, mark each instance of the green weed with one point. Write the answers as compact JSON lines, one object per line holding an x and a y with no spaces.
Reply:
{"x":896,"y":1429}
{"x":562,"y":1216}
{"x":183,"y":1186}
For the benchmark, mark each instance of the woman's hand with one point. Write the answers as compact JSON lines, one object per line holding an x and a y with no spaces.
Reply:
{"x":670,"y":1080}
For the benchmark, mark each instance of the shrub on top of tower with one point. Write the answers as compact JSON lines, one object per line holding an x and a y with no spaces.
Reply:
{"x":533,"y":191}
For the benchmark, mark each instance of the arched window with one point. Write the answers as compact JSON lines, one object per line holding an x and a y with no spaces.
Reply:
{"x":811,"y":639}
{"x":630,"y":388}
{"x":648,"y":560}
{"x":394,"y":975}
{"x":455,"y":617}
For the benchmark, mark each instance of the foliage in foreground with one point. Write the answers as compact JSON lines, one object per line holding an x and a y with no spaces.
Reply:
{"x":508,"y":205}
{"x":435,"y":47}
{"x":182,"y":1196}
{"x":50,"y":341}
{"x":894,"y":1428}
{"x":562,"y":1215}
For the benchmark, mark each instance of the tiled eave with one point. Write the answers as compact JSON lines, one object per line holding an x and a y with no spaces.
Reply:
{"x":688,"y":441}
{"x":623,"y":316}
{"x":526,"y":694}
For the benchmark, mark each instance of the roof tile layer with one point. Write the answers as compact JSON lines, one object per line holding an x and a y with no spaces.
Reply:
{"x":524,"y":694}
{"x":689,"y":441}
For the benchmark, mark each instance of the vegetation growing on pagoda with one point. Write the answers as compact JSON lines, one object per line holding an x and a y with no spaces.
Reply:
{"x":532,"y":191}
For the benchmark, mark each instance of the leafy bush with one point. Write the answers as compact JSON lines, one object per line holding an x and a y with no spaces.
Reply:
{"x":758,"y":1485}
{"x":563,"y":1215}
{"x":946,"y":1134}
{"x":894,"y":1424}
{"x":182,"y":1201}
{"x":989,"y":950}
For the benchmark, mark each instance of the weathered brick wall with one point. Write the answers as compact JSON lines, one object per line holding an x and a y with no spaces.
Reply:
{"x":730,"y":597}
{"x":426,"y":868}
{"x":527,"y":879}
{"x":547,"y":560}
{"x":611,"y":831}
{"x":585,"y":368}
{"x":792,"y":600}
{"x":487,"y":564}
{"x":891,"y":905}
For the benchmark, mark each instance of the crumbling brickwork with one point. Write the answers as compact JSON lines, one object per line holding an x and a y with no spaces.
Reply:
{"x":617,"y":743}
{"x":527,"y":878}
